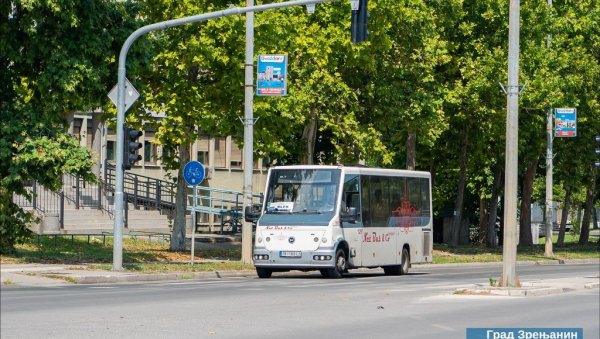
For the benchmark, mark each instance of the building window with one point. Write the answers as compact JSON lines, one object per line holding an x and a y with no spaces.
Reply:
{"x":110,"y":150}
{"x":150,"y":154}
{"x":220,"y":153}
{"x":236,"y":156}
{"x":202,"y":145}
{"x":202,"y":157}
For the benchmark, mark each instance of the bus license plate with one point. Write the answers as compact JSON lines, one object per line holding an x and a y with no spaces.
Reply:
{"x":290,"y":254}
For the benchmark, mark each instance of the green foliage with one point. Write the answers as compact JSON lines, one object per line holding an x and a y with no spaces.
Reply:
{"x":56,"y":58}
{"x":32,"y":149}
{"x":428,"y":67}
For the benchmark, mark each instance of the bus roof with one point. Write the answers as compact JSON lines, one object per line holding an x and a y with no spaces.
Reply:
{"x":361,"y":170}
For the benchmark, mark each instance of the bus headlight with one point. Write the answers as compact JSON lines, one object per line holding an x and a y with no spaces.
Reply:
{"x":261,"y":257}
{"x":321,"y":257}
{"x":259,"y":240}
{"x":324,"y":240}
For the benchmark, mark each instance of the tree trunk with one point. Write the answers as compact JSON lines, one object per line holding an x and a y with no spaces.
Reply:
{"x":411,"y":149}
{"x":493,"y":214}
{"x":587,"y":214}
{"x":483,"y":221}
{"x":564,"y":216}
{"x":309,"y":135}
{"x":525,"y":219}
{"x":458,"y":206}
{"x":178,"y":233}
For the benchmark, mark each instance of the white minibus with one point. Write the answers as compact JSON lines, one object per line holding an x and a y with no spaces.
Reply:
{"x":336,"y":218}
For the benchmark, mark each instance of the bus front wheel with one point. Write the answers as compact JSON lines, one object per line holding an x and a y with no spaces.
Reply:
{"x":340,"y":265}
{"x":263,"y":272}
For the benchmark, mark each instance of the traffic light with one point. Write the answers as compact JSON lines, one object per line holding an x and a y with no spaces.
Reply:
{"x":597,"y":162}
{"x":360,"y":16}
{"x":131,"y":145}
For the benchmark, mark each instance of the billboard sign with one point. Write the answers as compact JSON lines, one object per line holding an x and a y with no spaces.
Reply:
{"x":565,"y":122}
{"x":272,"y":75}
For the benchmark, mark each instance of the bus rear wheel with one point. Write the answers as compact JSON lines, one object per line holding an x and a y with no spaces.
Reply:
{"x":340,"y":265}
{"x":263,"y":273}
{"x":405,"y":264}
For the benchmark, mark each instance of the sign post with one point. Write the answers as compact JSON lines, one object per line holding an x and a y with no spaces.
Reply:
{"x":193,"y":173}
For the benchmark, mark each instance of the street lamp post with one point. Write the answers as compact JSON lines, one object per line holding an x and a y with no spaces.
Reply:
{"x":509,"y":249}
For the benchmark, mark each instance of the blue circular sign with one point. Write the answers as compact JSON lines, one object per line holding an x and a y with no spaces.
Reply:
{"x":193,"y":173}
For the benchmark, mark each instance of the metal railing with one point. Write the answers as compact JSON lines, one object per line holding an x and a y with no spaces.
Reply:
{"x":224,"y":205}
{"x":141,"y":190}
{"x":87,"y":194}
{"x":43,"y":200}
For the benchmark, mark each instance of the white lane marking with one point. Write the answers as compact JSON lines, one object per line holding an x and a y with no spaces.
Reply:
{"x":400,"y":290}
{"x":445,"y":328}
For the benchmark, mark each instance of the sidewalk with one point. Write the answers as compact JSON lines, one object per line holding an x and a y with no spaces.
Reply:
{"x":54,"y":275}
{"x":49,"y":275}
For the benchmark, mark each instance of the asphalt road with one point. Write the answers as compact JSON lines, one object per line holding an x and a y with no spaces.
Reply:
{"x":363,"y":305}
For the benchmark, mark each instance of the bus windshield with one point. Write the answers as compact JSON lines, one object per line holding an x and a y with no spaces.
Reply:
{"x":306,"y":191}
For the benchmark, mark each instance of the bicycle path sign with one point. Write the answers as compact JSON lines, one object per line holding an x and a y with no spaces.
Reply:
{"x":193,"y":173}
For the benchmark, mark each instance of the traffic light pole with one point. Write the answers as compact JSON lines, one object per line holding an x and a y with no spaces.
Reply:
{"x":118,"y":214}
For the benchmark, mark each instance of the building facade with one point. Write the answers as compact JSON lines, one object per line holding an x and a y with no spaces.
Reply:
{"x":221,"y":156}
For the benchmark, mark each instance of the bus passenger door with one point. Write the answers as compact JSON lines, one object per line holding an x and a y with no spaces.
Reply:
{"x":352,"y":230}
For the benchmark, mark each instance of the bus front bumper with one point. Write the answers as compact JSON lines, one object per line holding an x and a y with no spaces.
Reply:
{"x":321,"y":258}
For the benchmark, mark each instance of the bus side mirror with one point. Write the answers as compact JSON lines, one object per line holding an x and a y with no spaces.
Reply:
{"x":349,"y":215}
{"x":251,"y":214}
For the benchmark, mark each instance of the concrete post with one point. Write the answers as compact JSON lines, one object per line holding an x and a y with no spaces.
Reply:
{"x":548,"y":245}
{"x":248,"y":132}
{"x":509,"y":249}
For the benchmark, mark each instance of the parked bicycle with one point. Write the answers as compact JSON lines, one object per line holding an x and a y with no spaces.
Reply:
{"x":231,"y":221}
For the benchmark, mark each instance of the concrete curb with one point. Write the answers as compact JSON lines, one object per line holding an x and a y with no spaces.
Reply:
{"x":524,"y":262}
{"x":592,"y":285}
{"x":176,"y":276}
{"x":524,"y":292}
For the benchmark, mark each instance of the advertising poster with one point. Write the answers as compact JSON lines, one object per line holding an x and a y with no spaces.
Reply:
{"x":565,"y":123}
{"x":272,"y":75}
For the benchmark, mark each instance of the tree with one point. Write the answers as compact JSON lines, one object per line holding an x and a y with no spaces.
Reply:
{"x":56,"y":58}
{"x":402,"y":88}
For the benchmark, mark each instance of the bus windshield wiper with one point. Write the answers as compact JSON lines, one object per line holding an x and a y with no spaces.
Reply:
{"x":276,"y":211}
{"x":306,"y":211}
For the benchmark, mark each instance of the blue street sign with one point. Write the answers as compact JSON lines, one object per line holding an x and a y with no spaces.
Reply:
{"x":272,"y":75}
{"x":193,"y":173}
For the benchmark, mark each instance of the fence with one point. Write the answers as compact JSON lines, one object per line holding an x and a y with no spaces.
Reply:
{"x":143,"y":191}
{"x":43,"y":200}
{"x":223,"y":205}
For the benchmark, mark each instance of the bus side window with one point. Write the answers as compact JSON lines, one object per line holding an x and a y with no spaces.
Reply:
{"x":380,"y":207}
{"x":365,"y":200}
{"x":350,"y":195}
